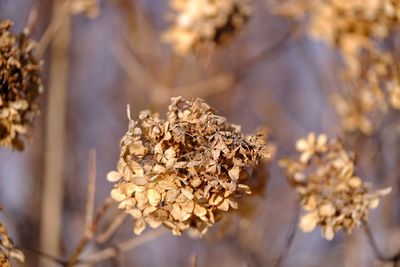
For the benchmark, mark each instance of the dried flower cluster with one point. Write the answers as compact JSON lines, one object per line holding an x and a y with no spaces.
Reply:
{"x":349,"y":25}
{"x":7,"y":249}
{"x":358,"y":29}
{"x":201,"y":25}
{"x":185,"y":171}
{"x":373,"y":86}
{"x":20,"y":86}
{"x":329,"y":190}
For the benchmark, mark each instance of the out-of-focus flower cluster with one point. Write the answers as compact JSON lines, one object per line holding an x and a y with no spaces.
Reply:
{"x":20,"y":86}
{"x":359,"y":29}
{"x":7,"y":249}
{"x":184,"y":171}
{"x":330,"y":192}
{"x":372,"y":87}
{"x":347,"y":24}
{"x":201,"y":25}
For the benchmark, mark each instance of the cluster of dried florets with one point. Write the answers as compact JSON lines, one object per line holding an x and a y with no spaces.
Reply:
{"x":7,"y":249}
{"x":329,"y":190}
{"x":356,"y":28}
{"x":347,"y":24}
{"x":373,"y":86}
{"x":20,"y":86}
{"x":184,"y":171}
{"x":201,"y":25}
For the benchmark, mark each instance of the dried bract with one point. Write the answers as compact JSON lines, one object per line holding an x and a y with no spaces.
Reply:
{"x":184,"y":171}
{"x":7,"y":249}
{"x":201,"y":25}
{"x":330,"y":192}
{"x":20,"y":86}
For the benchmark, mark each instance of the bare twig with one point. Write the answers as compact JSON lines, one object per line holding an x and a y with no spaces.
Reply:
{"x":290,"y":237}
{"x":32,"y":19}
{"x":193,"y":260}
{"x":119,"y":219}
{"x":384,"y":258}
{"x":55,"y":26}
{"x":122,"y":247}
{"x":44,"y":255}
{"x":89,"y":233}
{"x":91,"y":190}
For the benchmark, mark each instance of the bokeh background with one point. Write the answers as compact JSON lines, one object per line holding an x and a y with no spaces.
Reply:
{"x":271,"y":75}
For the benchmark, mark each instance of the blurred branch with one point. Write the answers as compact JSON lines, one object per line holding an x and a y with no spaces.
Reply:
{"x":44,"y":255}
{"x":55,"y":26}
{"x":32,"y":19}
{"x":121,"y":247}
{"x":89,"y":232}
{"x":91,"y":190}
{"x":382,"y":257}
{"x":193,"y":260}
{"x":52,"y":192}
{"x":118,"y":220}
{"x":290,"y":236}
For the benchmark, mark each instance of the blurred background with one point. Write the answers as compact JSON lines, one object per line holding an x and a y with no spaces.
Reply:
{"x":270,"y":75}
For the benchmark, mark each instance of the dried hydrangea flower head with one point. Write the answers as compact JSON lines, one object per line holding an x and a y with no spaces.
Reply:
{"x":201,"y":25}
{"x":7,"y":249}
{"x":347,"y":24}
{"x":330,"y":192}
{"x":373,"y":85}
{"x":184,"y":171}
{"x":20,"y":86}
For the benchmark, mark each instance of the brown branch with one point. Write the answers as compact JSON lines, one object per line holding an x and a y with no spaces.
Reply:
{"x":89,"y":233}
{"x":290,"y":236}
{"x":384,"y":258}
{"x":52,"y":188}
{"x":193,"y":260}
{"x":91,"y":190}
{"x":123,"y":247}
{"x":44,"y":255}
{"x":118,"y":220}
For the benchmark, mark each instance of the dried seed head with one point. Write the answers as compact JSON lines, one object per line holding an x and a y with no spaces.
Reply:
{"x":201,"y":25}
{"x":7,"y":249}
{"x":330,"y":192}
{"x":184,"y":171}
{"x":20,"y":86}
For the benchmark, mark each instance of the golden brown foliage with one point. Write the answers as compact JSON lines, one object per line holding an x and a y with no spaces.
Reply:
{"x":184,"y":171}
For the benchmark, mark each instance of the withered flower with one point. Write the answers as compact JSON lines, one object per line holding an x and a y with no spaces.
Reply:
{"x":7,"y":249}
{"x":330,"y":192}
{"x":20,"y":86}
{"x":372,"y":87}
{"x":184,"y":171}
{"x":201,"y":25}
{"x":347,"y":24}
